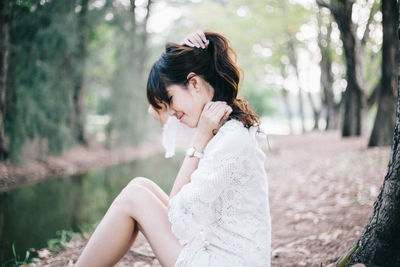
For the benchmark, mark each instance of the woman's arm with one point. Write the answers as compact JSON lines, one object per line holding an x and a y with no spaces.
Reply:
{"x":213,"y":116}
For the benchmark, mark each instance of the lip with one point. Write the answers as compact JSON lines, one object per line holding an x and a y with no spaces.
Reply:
{"x":180,"y":117}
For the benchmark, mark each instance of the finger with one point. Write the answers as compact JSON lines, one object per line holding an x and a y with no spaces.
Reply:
{"x":207,"y":106}
{"x":202,"y":36}
{"x":224,"y":118}
{"x":214,"y":105}
{"x":188,"y":43}
{"x":185,"y":41}
{"x":227,"y":110}
{"x":220,"y":110}
{"x":220,"y":104}
{"x":198,"y":41}
{"x":190,"y":39}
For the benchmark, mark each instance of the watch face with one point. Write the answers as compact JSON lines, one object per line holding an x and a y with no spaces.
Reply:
{"x":190,"y":152}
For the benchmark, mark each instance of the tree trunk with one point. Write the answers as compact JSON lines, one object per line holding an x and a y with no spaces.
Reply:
{"x":353,"y":48}
{"x":4,"y":39}
{"x":287,"y":107}
{"x":352,"y":121}
{"x":382,"y":132}
{"x":316,"y":112}
{"x":379,"y":244}
{"x":78,"y":95}
{"x":293,"y":62}
{"x":144,"y":37}
{"x":326,"y":78}
{"x":352,"y":111}
{"x":301,"y":110}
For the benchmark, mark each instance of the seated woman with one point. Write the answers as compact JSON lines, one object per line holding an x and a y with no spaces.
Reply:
{"x":217,"y":213}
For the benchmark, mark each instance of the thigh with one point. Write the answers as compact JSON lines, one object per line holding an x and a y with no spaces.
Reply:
{"x":152,"y":216}
{"x":153,"y":187}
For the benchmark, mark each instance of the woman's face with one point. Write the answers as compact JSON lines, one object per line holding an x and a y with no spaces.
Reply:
{"x":160,"y":115}
{"x":186,"y":104}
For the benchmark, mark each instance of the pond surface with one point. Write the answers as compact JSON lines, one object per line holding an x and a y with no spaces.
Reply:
{"x":31,"y":215}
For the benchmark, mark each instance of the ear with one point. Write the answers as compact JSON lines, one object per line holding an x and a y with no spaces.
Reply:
{"x":193,"y":81}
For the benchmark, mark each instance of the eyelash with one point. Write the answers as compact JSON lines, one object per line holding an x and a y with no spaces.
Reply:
{"x":170,"y":99}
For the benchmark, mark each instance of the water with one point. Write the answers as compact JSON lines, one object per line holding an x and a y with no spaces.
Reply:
{"x":31,"y":215}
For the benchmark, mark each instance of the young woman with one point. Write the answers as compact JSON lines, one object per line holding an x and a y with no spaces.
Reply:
{"x":217,"y":213}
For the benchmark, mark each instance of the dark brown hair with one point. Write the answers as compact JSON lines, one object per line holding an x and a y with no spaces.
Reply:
{"x":216,"y":64}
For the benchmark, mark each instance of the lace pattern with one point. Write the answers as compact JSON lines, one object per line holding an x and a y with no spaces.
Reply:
{"x":222,"y":216}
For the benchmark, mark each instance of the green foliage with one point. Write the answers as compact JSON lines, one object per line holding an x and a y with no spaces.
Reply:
{"x":16,"y":260}
{"x":40,"y":76}
{"x":258,"y":31}
{"x":45,"y":66}
{"x":63,"y":236}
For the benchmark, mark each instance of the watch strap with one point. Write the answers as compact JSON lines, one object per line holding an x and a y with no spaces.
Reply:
{"x":192,"y":152}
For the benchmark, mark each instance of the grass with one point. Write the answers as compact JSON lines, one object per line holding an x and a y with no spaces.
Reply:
{"x":54,"y":245}
{"x":61,"y":239}
{"x":16,"y":260}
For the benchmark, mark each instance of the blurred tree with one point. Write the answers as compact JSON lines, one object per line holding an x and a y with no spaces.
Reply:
{"x":379,"y":243}
{"x":285,"y":95}
{"x":79,"y":70}
{"x":128,"y":102}
{"x":382,"y":133}
{"x":4,"y":16}
{"x":51,"y":89}
{"x":251,"y":27}
{"x":327,"y":79}
{"x":287,"y":48}
{"x":292,"y":54}
{"x":354,"y":47}
{"x":40,"y":77}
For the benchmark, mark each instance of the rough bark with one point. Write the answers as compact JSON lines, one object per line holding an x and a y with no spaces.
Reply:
{"x":4,"y":39}
{"x":379,"y":243}
{"x":382,"y":133}
{"x":78,"y":94}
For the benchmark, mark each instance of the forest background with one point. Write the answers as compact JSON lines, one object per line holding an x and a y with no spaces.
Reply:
{"x":73,"y":73}
{"x":76,"y":70}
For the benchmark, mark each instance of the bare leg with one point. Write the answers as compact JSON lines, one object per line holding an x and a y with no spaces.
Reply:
{"x":153,"y":187}
{"x":157,"y":191}
{"x":115,"y":233}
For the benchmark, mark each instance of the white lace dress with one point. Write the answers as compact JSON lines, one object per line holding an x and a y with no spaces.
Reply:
{"x":222,"y":216}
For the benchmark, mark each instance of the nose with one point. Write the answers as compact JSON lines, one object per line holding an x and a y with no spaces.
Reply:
{"x":171,"y":111}
{"x":152,"y":112}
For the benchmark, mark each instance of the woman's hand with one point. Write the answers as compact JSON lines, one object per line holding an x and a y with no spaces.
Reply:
{"x":213,"y":116}
{"x":160,"y":115}
{"x":197,"y":39}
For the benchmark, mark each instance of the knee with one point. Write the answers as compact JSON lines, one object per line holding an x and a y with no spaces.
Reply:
{"x":143,"y":181}
{"x":131,"y":196}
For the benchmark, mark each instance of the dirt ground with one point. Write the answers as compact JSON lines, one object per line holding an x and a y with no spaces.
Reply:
{"x":322,"y":189}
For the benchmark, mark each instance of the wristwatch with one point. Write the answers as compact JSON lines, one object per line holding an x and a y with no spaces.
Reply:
{"x":192,"y":152}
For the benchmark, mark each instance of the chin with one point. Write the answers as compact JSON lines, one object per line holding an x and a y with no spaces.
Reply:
{"x":191,"y":124}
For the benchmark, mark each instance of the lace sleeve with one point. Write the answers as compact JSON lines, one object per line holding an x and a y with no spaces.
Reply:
{"x":223,"y":165}
{"x":226,"y":162}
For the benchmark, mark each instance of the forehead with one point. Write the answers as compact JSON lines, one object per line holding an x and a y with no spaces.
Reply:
{"x":174,"y":88}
